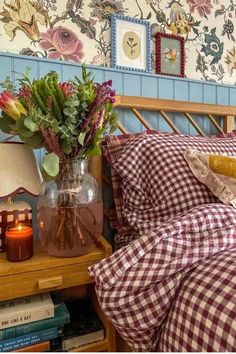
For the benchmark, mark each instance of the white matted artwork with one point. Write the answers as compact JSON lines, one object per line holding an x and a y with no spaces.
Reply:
{"x":130,"y":43}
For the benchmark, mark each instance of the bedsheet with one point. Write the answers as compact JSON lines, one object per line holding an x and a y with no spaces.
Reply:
{"x":182,"y":270}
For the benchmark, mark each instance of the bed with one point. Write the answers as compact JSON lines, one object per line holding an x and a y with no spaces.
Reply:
{"x":170,"y":286}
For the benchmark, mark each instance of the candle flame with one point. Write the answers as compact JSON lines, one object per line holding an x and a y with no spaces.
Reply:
{"x":20,"y":228}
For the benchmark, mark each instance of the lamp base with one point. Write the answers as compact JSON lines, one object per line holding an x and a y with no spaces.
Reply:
{"x":11,"y":214}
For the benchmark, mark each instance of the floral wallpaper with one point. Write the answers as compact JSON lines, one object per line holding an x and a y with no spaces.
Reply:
{"x":79,"y":31}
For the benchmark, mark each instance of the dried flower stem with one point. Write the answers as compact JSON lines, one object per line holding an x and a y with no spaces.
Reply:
{"x":51,"y":142}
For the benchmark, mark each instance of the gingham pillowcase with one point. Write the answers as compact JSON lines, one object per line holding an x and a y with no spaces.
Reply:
{"x":153,"y":169}
{"x":112,"y":149}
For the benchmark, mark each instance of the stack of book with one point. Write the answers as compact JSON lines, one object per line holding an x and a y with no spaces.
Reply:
{"x":85,"y":327}
{"x":30,"y":323}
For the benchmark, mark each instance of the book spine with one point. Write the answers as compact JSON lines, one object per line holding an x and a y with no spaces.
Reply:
{"x":40,"y":347}
{"x":29,"y":315}
{"x":30,"y":339}
{"x":21,"y":330}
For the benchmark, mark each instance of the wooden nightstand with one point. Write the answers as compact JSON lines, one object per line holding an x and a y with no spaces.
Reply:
{"x":43,"y":273}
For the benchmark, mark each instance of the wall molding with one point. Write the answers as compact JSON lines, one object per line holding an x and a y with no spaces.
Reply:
{"x":51,"y":62}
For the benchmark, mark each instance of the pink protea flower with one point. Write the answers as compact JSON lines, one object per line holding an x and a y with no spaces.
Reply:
{"x":11,"y":105}
{"x":66,"y":88}
{"x":62,"y":43}
{"x":202,"y":6}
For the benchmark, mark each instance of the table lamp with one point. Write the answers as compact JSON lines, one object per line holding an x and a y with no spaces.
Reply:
{"x":19,"y":173}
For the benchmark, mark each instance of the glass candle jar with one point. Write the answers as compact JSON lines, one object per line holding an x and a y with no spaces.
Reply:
{"x":19,"y":242}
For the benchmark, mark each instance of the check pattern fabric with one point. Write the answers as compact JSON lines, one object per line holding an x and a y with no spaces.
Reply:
{"x":112,"y":149}
{"x":202,"y":317}
{"x":151,"y":180}
{"x":147,"y":287}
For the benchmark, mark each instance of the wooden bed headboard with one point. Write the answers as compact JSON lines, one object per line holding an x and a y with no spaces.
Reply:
{"x":163,"y":107}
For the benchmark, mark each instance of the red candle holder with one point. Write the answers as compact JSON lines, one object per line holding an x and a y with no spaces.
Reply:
{"x":19,"y":242}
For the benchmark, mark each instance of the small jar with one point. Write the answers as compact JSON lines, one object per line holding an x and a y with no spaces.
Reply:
{"x":70,"y":211}
{"x":19,"y":243}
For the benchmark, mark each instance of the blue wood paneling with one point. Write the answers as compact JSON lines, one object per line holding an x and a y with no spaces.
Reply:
{"x":117,"y":80}
{"x":68,"y":72}
{"x":98,"y":75}
{"x":149,"y":86}
{"x":132,"y":84}
{"x":46,"y":67}
{"x":209,"y":94}
{"x":166,"y":88}
{"x":232,"y":96}
{"x":196,"y":92}
{"x":196,"y":95}
{"x":223,"y":95}
{"x":132,"y":87}
{"x":6,"y":68}
{"x":20,"y":66}
{"x":129,"y":83}
{"x":181,"y":90}
{"x":125,"y":82}
{"x":166,"y":91}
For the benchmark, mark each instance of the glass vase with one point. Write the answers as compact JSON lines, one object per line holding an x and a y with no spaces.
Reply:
{"x":70,"y":211}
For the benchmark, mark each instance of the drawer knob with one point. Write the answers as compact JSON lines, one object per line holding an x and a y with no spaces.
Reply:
{"x":49,"y":282}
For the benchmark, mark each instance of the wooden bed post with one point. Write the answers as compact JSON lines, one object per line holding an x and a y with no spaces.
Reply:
{"x":228,"y":124}
{"x":95,"y":168}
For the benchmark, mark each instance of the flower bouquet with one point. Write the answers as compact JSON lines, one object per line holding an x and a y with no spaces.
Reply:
{"x":69,"y":120}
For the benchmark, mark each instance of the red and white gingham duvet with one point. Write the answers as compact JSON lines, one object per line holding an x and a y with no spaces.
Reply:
{"x":174,"y":288}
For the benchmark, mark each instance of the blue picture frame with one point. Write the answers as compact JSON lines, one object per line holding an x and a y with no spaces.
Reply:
{"x":130,"y":37}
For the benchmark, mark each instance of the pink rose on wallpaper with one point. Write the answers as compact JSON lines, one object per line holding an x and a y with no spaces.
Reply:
{"x":202,"y":6}
{"x":62,"y":43}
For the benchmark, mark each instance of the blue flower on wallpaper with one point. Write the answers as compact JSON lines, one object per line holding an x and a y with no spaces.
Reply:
{"x":213,"y":46}
{"x":102,"y":9}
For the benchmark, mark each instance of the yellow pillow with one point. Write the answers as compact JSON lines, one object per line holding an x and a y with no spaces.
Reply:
{"x":217,"y":172}
{"x":223,"y":165}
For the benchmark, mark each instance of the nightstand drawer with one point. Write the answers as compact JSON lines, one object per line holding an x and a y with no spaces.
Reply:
{"x":42,"y":281}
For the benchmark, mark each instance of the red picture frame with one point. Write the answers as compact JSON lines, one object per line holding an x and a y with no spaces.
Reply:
{"x":170,"y":54}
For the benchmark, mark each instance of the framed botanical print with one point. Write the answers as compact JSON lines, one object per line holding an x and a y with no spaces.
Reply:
{"x":130,"y":43}
{"x":170,"y":56}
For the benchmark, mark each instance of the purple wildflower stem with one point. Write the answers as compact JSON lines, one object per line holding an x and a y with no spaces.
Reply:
{"x":94,"y":128}
{"x":91,"y":114}
{"x":90,"y":135}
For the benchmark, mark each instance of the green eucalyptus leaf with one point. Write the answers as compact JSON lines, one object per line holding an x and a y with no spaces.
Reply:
{"x":66,"y":147}
{"x":55,"y":126}
{"x":6,"y":124}
{"x":35,"y":141}
{"x":69,"y":111}
{"x":68,"y":121}
{"x":30,"y":124}
{"x":50,"y":164}
{"x":21,"y":128}
{"x":68,"y":103}
{"x":84,"y":105}
{"x":45,"y":176}
{"x":75,"y":102}
{"x":72,"y":102}
{"x":81,"y":137}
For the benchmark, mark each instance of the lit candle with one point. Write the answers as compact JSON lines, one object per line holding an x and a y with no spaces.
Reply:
{"x":19,"y":242}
